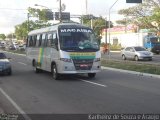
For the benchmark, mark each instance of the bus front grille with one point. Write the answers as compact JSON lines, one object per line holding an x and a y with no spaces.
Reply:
{"x":83,"y":64}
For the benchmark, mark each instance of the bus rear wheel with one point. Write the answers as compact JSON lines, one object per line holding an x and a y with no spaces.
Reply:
{"x":91,"y":75}
{"x":35,"y":67}
{"x":54,"y":71}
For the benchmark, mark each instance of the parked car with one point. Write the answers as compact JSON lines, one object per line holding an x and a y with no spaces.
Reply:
{"x":12,"y":47}
{"x":136,"y":53}
{"x":22,"y":47}
{"x":5,"y":66}
{"x":2,"y":46}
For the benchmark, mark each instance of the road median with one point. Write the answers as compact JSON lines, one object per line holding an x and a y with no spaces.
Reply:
{"x":131,"y":72}
{"x":132,"y":66}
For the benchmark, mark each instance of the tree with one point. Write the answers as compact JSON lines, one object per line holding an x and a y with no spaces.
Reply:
{"x":2,"y":37}
{"x":11,"y":36}
{"x":43,"y":15}
{"x":143,"y":15}
{"x":22,"y":29}
{"x":98,"y":23}
{"x":86,"y":19}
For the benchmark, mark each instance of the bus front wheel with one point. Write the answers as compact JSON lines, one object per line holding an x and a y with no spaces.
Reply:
{"x":91,"y":75}
{"x":55,"y":74}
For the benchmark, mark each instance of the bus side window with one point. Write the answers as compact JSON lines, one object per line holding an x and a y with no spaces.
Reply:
{"x":34,"y":40}
{"x":27,"y":41}
{"x":30,"y":41}
{"x":55,"y":40}
{"x":49,"y":40}
{"x":39,"y":40}
{"x":28,"y":38}
{"x":43,"y":40}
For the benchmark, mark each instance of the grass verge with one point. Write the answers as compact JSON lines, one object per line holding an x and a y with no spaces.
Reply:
{"x":133,"y":66}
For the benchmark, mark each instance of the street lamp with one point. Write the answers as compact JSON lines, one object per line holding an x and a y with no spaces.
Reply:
{"x":60,"y":11}
{"x":48,"y":13}
{"x":41,"y":6}
{"x":28,"y":26}
{"x":61,"y":8}
{"x":110,"y":26}
{"x":106,"y":30}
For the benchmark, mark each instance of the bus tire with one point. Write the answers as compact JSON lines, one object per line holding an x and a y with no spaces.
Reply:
{"x":91,"y":75}
{"x":54,"y":71}
{"x":35,"y":67}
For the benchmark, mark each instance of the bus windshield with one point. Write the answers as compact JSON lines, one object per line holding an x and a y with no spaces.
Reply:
{"x":78,"y":39}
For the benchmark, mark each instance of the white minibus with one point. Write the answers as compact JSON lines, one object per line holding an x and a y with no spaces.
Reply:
{"x":64,"y":48}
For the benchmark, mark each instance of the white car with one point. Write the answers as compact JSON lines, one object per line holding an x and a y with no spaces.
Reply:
{"x":136,"y":53}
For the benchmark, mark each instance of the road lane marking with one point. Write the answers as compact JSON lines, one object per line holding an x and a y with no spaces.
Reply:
{"x":22,"y":63}
{"x":15,"y":105}
{"x":93,"y":83}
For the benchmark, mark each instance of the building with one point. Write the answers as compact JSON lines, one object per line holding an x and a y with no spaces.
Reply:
{"x":122,"y":35}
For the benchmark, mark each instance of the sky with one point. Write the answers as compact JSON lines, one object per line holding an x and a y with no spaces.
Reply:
{"x":14,"y":12}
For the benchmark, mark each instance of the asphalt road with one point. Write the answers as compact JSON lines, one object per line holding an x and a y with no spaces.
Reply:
{"x":110,"y":92}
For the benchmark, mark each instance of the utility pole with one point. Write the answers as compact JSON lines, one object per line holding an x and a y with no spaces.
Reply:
{"x":60,"y":11}
{"x":28,"y":26}
{"x":109,"y":34}
{"x":86,"y":7}
{"x":106,"y":25}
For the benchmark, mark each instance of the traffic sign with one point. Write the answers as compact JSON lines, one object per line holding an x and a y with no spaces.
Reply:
{"x":133,"y":1}
{"x":64,"y":16}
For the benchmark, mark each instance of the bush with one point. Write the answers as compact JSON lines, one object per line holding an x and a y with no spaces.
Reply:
{"x":115,"y":47}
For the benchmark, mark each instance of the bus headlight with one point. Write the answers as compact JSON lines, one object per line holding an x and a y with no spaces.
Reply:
{"x":66,"y":59}
{"x":97,"y":59}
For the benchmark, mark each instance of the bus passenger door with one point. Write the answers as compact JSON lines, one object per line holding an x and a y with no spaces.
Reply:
{"x":51,"y":51}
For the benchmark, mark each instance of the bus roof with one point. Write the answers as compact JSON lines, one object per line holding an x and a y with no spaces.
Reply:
{"x":57,"y":26}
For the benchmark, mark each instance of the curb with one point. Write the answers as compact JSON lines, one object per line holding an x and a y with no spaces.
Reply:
{"x":132,"y":72}
{"x":118,"y":51}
